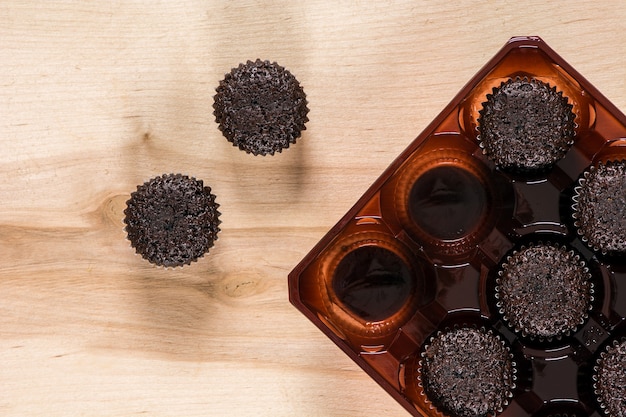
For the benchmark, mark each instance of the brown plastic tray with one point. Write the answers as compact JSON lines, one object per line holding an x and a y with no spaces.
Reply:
{"x":449,"y":280}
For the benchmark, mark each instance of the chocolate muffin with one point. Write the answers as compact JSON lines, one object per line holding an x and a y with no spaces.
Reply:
{"x":600,"y":207}
{"x":260,"y":107}
{"x":610,"y":380}
{"x":544,"y":291}
{"x":526,"y":125}
{"x":172,"y":220}
{"x":467,"y":372}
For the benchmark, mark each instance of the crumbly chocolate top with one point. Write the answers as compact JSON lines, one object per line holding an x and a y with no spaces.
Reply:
{"x":172,"y":220}
{"x":467,"y":372}
{"x":610,"y":380}
{"x":544,"y":291}
{"x":526,"y":125}
{"x":260,"y":107}
{"x":600,"y":207}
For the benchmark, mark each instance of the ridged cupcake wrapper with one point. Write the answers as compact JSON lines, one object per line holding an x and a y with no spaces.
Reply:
{"x":245,"y":116}
{"x":508,"y":395}
{"x":559,"y":152}
{"x":598,"y":240}
{"x":607,"y":409}
{"x":523,"y":330}
{"x":154,"y":202}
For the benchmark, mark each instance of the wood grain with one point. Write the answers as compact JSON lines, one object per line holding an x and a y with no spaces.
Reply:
{"x":98,"y":97}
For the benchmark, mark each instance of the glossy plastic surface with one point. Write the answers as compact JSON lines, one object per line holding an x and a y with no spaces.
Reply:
{"x":420,"y":251}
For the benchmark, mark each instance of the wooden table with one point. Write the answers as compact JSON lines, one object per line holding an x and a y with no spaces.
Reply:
{"x":98,"y":97}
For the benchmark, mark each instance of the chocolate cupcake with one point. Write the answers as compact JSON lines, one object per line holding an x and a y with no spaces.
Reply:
{"x":526,"y":125}
{"x":260,"y":107}
{"x":600,"y":207}
{"x":609,"y":379}
{"x":467,"y":372}
{"x":172,"y":220}
{"x":544,"y":291}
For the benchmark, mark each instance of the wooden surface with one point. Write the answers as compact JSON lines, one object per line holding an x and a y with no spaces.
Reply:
{"x":98,"y":97}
